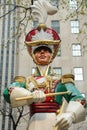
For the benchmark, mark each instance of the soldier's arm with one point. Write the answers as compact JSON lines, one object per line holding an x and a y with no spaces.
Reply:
{"x":76,"y":101}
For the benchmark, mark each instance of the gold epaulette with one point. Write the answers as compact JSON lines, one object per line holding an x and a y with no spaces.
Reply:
{"x":20,"y":79}
{"x":67,"y":78}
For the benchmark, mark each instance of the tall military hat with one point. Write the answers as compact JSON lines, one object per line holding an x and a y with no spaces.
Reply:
{"x":42,"y":35}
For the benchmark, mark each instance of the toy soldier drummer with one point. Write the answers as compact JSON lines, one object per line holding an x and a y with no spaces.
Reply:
{"x":43,"y":44}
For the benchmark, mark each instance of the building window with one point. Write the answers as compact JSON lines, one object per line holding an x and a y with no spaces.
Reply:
{"x":75,"y":26}
{"x":33,"y":70}
{"x":35,"y":24}
{"x":84,"y":95}
{"x":32,"y":1}
{"x":59,"y":51}
{"x":73,"y":4}
{"x":54,"y":3}
{"x":55,"y":25}
{"x":76,"y":50}
{"x":58,"y":71}
{"x":78,"y":72}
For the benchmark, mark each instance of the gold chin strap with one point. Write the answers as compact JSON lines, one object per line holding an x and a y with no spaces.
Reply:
{"x":43,"y":73}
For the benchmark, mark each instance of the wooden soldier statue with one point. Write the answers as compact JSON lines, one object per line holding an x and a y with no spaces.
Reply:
{"x":45,"y":88}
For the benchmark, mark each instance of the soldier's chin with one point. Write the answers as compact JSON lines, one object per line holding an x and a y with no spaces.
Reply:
{"x":43,"y":63}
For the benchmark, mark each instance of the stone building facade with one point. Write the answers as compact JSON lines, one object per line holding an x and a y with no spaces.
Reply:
{"x":72,"y":56}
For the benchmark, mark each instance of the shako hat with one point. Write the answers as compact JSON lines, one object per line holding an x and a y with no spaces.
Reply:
{"x":42,"y":35}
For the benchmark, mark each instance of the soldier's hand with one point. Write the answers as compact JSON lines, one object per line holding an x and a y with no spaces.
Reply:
{"x":38,"y":96}
{"x":64,"y":120}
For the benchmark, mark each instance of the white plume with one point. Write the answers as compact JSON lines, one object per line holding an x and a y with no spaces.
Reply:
{"x":41,"y":9}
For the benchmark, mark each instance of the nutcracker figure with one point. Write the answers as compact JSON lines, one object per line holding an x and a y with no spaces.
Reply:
{"x":45,"y":88}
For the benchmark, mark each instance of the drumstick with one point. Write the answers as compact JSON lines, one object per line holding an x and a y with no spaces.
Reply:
{"x":48,"y":94}
{"x":60,"y":112}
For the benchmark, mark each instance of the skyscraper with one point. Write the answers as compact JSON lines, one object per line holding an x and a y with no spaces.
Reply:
{"x":7,"y":54}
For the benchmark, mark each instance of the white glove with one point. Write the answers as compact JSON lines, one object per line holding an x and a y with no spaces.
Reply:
{"x":65,"y":120}
{"x":38,"y":96}
{"x":78,"y":109}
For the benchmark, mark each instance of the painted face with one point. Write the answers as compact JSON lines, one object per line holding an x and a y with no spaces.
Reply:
{"x":43,"y":56}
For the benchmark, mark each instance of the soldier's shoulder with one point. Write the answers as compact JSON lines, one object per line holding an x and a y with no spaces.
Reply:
{"x":67,"y":78}
{"x":19,"y":79}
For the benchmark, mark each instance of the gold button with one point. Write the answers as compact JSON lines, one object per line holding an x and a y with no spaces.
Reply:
{"x":51,"y":100}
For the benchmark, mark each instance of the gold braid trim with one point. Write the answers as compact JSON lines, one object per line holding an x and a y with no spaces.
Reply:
{"x":68,"y":78}
{"x":47,"y":84}
{"x":31,"y":79}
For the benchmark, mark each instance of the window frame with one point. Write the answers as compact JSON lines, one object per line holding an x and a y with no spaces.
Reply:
{"x":35,"y":23}
{"x":55,"y":3}
{"x":54,"y":26}
{"x":59,"y":69}
{"x":76,"y":50}
{"x":78,"y":76}
{"x":73,"y":4}
{"x":33,"y":70}
{"x":59,"y":52}
{"x":75,"y":26}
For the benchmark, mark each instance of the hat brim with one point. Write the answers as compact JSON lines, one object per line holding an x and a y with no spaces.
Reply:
{"x":40,"y":47}
{"x":54,"y":44}
{"x":41,"y":42}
